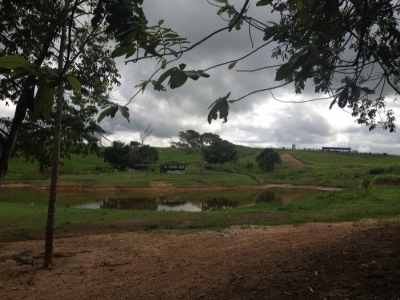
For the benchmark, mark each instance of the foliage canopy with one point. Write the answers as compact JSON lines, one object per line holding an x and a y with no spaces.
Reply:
{"x":353,"y":42}
{"x":267,"y":159}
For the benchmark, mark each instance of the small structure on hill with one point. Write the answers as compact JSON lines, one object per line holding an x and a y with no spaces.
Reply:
{"x":172,"y":167}
{"x":336,"y":149}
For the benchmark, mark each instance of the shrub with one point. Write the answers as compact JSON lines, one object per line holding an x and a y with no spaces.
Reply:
{"x":387,"y":180}
{"x":376,"y":171}
{"x":249,"y":165}
{"x":366,"y":185}
{"x":393,"y":170}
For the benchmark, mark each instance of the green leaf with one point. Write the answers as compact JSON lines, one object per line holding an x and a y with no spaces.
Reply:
{"x":238,"y":24}
{"x":131,"y":50}
{"x":13,"y":62}
{"x":182,"y":66}
{"x":178,"y":79}
{"x":119,"y":51}
{"x":203,"y":74}
{"x":355,"y":93}
{"x":222,"y":10}
{"x":158,"y":86}
{"x":284,"y":71}
{"x":166,"y":74}
{"x":107,"y":112}
{"x":43,"y":102}
{"x":174,"y":53}
{"x":343,"y":97}
{"x":219,"y":107}
{"x":114,"y":111}
{"x":263,"y":2}
{"x":232,"y":65}
{"x":332,"y":103}
{"x":124,"y":111}
{"x":171,"y":35}
{"x":268,"y":33}
{"x":21,"y":72}
{"x":160,"y":22}
{"x":196,"y":74}
{"x":313,"y":57}
{"x":300,"y":4}
{"x":192,"y":75}
{"x":367,"y":90}
{"x":75,"y":83}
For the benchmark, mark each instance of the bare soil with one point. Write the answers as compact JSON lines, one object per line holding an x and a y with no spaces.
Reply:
{"x":354,"y":260}
{"x":291,"y":160}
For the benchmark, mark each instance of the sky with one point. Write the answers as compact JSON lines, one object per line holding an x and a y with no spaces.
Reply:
{"x":257,"y":120}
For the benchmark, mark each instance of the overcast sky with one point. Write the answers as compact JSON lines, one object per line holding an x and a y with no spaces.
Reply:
{"x":257,"y":120}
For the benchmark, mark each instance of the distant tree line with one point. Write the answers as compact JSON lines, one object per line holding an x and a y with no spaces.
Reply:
{"x":122,"y":156}
{"x":208,"y":145}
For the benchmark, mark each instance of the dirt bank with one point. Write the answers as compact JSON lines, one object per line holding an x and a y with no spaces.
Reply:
{"x":358,"y":260}
{"x":75,"y":187}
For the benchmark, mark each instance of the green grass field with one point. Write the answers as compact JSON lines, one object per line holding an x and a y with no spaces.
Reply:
{"x":21,"y":221}
{"x":347,"y":171}
{"x":320,"y":168}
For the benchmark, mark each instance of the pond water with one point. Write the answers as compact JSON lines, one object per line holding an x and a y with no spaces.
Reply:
{"x":198,"y":201}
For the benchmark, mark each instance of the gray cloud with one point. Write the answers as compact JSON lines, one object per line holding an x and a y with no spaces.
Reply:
{"x":257,"y":120}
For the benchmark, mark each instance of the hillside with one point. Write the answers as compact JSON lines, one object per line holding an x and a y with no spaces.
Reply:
{"x":314,"y":168}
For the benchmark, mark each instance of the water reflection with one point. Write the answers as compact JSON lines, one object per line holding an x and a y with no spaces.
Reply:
{"x":130,"y":203}
{"x":213,"y":203}
{"x":267,"y":197}
{"x":200,"y":201}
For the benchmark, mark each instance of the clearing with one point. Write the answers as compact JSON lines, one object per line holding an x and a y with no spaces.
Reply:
{"x":352,"y":260}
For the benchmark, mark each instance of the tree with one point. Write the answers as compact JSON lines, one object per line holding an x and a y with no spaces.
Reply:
{"x":220,"y":152}
{"x":145,"y":133}
{"x":147,"y":153}
{"x":74,"y":33}
{"x":122,"y":156}
{"x":267,"y":159}
{"x":134,"y":144}
{"x":194,"y":141}
{"x":117,"y":154}
{"x":32,"y":30}
{"x":354,"y":42}
{"x":348,"y":50}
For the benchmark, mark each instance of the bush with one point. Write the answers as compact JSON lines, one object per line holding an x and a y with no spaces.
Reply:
{"x":366,"y":185}
{"x":376,"y":171}
{"x":393,"y":170}
{"x":249,"y":165}
{"x":267,"y":159}
{"x":387,"y":180}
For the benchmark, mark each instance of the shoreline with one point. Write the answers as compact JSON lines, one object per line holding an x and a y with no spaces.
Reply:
{"x":154,"y":190}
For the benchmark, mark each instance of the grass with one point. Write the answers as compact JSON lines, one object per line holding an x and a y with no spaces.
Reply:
{"x":329,"y":169}
{"x":19,"y":221}
{"x":345,"y":170}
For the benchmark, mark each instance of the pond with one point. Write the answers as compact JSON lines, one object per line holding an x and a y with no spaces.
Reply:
{"x":194,"y":201}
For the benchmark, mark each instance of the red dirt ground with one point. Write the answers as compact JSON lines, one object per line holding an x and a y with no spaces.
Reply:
{"x":357,"y":260}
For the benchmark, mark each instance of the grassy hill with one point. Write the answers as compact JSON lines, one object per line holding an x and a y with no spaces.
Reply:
{"x":319,"y":168}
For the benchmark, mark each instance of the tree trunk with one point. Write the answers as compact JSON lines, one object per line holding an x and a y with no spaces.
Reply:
{"x":51,"y":212}
{"x":19,"y":116}
{"x":202,"y":158}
